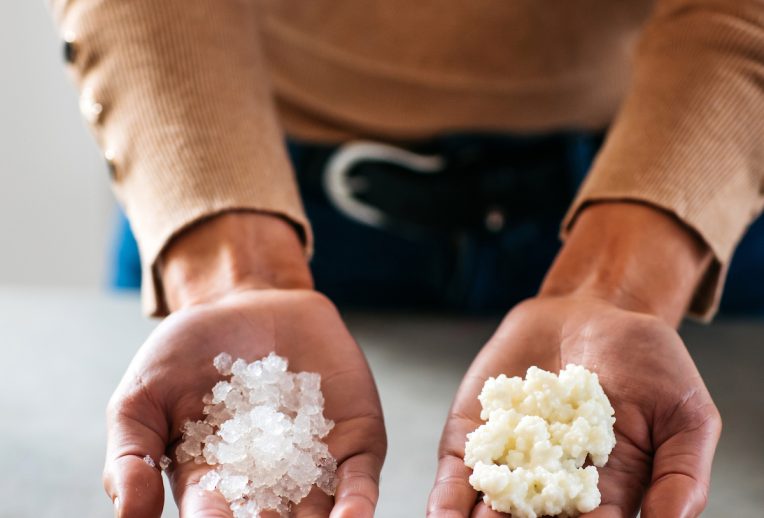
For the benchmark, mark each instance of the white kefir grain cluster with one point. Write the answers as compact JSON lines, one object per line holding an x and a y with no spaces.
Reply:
{"x":528,"y":457}
{"x":263,"y":432}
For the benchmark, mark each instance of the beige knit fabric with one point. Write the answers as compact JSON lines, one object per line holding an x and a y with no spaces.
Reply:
{"x":195,"y":93}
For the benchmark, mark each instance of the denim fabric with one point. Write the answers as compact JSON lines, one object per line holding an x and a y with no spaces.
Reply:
{"x":474,"y":270}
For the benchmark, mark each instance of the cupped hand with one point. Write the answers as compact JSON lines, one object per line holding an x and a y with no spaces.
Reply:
{"x":164,"y":385}
{"x":667,"y":426}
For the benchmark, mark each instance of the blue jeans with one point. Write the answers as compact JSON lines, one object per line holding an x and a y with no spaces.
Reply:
{"x":472,"y":270}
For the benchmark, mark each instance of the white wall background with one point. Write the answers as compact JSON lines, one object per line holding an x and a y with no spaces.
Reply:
{"x":56,"y":210}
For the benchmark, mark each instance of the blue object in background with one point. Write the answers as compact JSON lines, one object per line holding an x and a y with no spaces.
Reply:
{"x":124,"y":260}
{"x":744,"y":288}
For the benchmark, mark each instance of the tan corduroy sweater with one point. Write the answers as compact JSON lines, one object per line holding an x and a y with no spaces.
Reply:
{"x":190,"y":98}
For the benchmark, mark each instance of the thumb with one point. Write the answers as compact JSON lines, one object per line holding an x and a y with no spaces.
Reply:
{"x":357,"y":486}
{"x":682,"y":467}
{"x":133,"y":484}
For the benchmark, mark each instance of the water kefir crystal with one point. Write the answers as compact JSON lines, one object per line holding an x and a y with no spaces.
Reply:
{"x":528,"y":457}
{"x":263,"y":432}
{"x":164,"y":462}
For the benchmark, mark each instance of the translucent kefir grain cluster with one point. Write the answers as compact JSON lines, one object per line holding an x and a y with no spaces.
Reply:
{"x":528,"y":457}
{"x":263,"y":432}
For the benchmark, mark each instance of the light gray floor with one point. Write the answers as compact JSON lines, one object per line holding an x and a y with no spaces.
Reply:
{"x":63,"y":352}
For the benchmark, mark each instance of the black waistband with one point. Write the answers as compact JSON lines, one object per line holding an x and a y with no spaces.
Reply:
{"x":469,"y":182}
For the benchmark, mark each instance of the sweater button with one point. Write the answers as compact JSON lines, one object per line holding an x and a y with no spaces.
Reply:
{"x":70,"y":47}
{"x":110,"y":157}
{"x":89,"y":107}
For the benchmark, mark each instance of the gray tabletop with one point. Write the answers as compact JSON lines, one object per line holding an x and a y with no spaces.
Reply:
{"x":64,"y":351}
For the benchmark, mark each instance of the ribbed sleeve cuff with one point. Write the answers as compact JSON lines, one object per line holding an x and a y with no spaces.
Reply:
{"x":177,"y":96}
{"x":688,"y":138}
{"x":152,"y":293}
{"x":705,"y":300}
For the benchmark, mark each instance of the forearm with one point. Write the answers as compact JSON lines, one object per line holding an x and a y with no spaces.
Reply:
{"x":687,"y":136}
{"x":635,"y":256}
{"x":177,"y":94}
{"x":231,"y":252}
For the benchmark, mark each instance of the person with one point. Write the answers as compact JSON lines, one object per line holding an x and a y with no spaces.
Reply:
{"x":437,"y":146}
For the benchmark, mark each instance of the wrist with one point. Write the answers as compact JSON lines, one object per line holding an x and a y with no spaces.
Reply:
{"x":232,"y":252}
{"x":635,"y":256}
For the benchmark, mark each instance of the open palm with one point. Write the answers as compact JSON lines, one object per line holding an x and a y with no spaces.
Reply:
{"x":666,"y":425}
{"x":165,"y":383}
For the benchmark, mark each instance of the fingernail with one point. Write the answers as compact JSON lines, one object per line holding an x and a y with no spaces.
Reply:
{"x":116,"y":507}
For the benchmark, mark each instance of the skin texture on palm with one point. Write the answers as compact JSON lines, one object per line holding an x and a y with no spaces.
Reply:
{"x":165,"y":383}
{"x":220,"y":278}
{"x":666,"y":425}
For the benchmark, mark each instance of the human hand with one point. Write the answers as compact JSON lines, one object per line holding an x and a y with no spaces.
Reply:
{"x":666,"y":424}
{"x":166,"y":381}
{"x":609,"y":303}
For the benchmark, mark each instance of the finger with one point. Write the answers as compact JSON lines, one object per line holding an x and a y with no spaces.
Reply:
{"x":484,"y":511}
{"x":132,"y":483}
{"x":199,"y":503}
{"x":357,"y":487}
{"x":623,"y":480}
{"x":452,"y":496}
{"x":607,"y":511}
{"x":682,"y":468}
{"x":193,"y":501}
{"x":316,"y":505}
{"x":677,"y":494}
